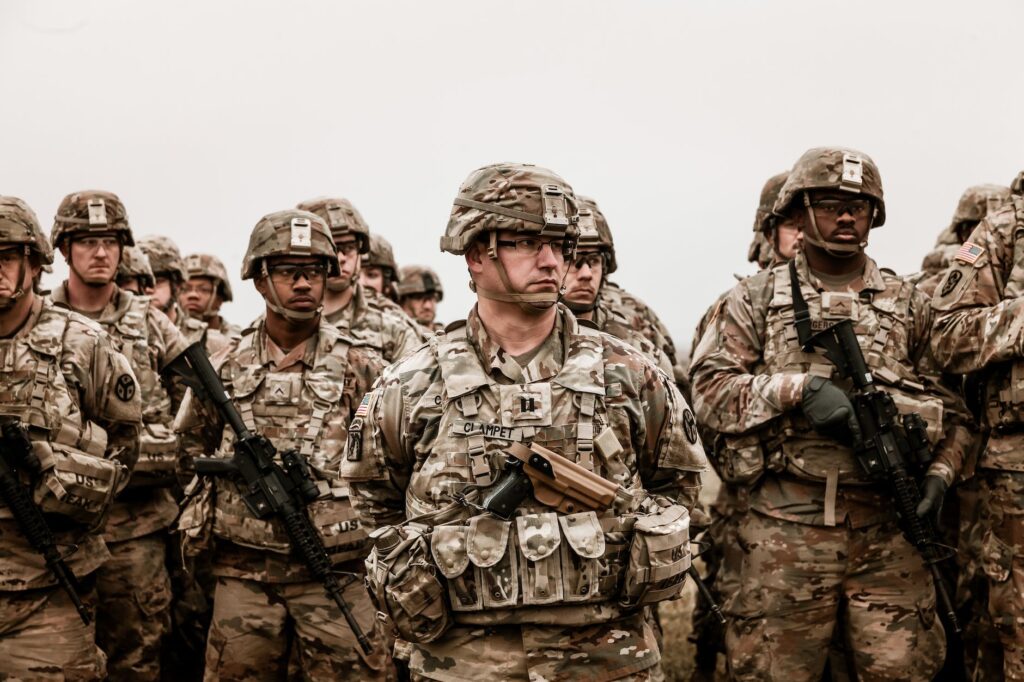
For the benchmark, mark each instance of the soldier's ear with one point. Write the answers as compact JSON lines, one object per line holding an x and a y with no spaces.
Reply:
{"x":475,"y":256}
{"x":261,"y":285}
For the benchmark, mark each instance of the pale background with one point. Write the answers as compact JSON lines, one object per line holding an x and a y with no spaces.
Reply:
{"x":206,"y":115}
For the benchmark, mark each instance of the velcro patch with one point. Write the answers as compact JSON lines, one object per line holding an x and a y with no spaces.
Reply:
{"x":969,"y":253}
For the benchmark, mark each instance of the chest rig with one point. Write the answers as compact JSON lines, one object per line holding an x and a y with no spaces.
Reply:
{"x":297,"y":410}
{"x":881,"y":320}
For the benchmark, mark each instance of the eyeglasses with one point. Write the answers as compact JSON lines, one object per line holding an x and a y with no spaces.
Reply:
{"x":201,"y":289}
{"x":348,"y":248}
{"x":591,"y":259}
{"x":94,"y":243}
{"x":531,"y":246}
{"x":290,"y":272}
{"x":858,"y":208}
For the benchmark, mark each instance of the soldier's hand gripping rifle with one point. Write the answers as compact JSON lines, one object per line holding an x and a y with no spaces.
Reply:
{"x":16,"y":455}
{"x":886,"y":449}
{"x":271,"y":490}
{"x":558,"y":483}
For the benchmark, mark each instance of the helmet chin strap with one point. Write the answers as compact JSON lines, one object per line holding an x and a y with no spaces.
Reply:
{"x":832,"y":249}
{"x":8,"y":302}
{"x":274,"y":302}
{"x":529,"y":303}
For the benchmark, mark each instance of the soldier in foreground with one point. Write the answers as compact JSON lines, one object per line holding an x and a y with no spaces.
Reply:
{"x":787,"y":431}
{"x":207,"y":288}
{"x":419,"y":291}
{"x":978,"y":304}
{"x":297,"y":381}
{"x":75,"y":396}
{"x":379,"y":270}
{"x":91,"y":229}
{"x":134,"y":273}
{"x":556,"y":591}
{"x":357,"y":310}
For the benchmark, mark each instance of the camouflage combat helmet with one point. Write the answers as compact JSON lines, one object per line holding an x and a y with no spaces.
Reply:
{"x":135,"y":263}
{"x":19,"y":225}
{"x":381,"y":255}
{"x":978,"y":201}
{"x":1017,"y":186}
{"x":418,"y":279}
{"x":164,"y":257}
{"x":760,"y":251}
{"x":764,"y":218}
{"x":341,"y":217}
{"x":518,"y":197}
{"x":594,"y":233}
{"x":208,"y":265}
{"x":292,"y":232}
{"x":91,"y":211}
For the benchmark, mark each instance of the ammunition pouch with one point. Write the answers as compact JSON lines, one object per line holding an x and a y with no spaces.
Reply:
{"x":404,"y":585}
{"x":158,"y":455}
{"x":739,"y":459}
{"x":77,"y":480}
{"x":659,"y":557}
{"x":1004,"y":404}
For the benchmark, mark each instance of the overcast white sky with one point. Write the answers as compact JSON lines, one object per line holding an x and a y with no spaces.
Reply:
{"x":203,"y":116}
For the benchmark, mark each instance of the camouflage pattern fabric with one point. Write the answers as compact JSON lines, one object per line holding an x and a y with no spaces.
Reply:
{"x":258,"y":626}
{"x":164,"y":257}
{"x":641,"y":317}
{"x":748,"y":375}
{"x":60,"y":370}
{"x":793,"y":578}
{"x":302,"y":399}
{"x":978,"y":330}
{"x":375,"y":321}
{"x":450,"y":390}
{"x":612,"y":321}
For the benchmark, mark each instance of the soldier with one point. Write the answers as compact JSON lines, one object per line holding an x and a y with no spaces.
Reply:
{"x":204,"y":292}
{"x":810,"y":503}
{"x":297,"y":381}
{"x":134,"y":273}
{"x":357,"y":310}
{"x":169,"y":270}
{"x":975,"y":203}
{"x":90,"y":230}
{"x":379,"y":270}
{"x":546,"y":595}
{"x":977,"y":330}
{"x":63,"y":379}
{"x":586,"y":277}
{"x":419,"y":291}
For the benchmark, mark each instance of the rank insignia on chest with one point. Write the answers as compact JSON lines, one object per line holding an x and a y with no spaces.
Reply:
{"x":526,"y":405}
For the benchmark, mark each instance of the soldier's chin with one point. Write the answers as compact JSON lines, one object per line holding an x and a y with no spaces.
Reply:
{"x":6,"y":303}
{"x":338,"y":284}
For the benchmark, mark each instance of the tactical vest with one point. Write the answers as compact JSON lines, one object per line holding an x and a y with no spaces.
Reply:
{"x":78,"y":481}
{"x":292,"y":410}
{"x":542,"y":557}
{"x":883,"y":325}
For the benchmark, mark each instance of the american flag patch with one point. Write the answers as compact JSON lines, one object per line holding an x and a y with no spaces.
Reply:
{"x":969,"y":253}
{"x":364,"y":406}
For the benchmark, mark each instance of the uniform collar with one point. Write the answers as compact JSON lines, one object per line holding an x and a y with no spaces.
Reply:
{"x":870,"y":280}
{"x":545,"y":364}
{"x":115,"y":309}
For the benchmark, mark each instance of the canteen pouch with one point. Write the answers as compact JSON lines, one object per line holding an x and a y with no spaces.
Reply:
{"x":404,"y":585}
{"x":77,"y":480}
{"x":658,"y":557}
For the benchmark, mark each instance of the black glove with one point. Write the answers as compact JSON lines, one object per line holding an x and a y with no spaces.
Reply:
{"x":933,"y":490}
{"x":830,"y":411}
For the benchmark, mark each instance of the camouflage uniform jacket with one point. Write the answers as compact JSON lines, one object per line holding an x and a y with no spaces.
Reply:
{"x":980,"y":317}
{"x":613,"y":322}
{"x":302,"y":400}
{"x":641,"y":317}
{"x":441,"y":418}
{"x":61,"y":375}
{"x":375,"y":321}
{"x":150,"y":341}
{"x":749,"y":373}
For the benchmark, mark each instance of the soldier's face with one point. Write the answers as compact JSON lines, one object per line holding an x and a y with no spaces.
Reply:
{"x":11,"y":268}
{"x":788,"y":238}
{"x":298,"y":281}
{"x":527,"y":272}
{"x":421,"y":307}
{"x":372,"y":277}
{"x":842,"y":218}
{"x":348,"y":260}
{"x":584,"y":278}
{"x":94,"y":258}
{"x":132,"y":284}
{"x":199,"y":296}
{"x":162,"y":293}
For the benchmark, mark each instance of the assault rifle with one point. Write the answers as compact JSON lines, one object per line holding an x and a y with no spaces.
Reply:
{"x":16,"y":455}
{"x":272,"y":490}
{"x":888,"y":450}
{"x":561,"y":484}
